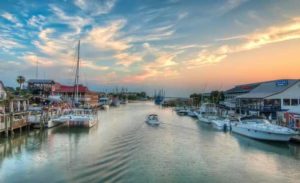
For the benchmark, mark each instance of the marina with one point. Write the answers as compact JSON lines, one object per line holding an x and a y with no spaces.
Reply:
{"x":123,"y":148}
{"x":160,"y":91}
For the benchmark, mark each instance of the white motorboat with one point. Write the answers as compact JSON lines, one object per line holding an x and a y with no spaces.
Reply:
{"x":152,"y":119}
{"x":207,"y":113}
{"x":261,"y":129}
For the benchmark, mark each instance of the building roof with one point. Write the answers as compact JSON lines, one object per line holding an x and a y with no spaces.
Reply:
{"x":242,"y":88}
{"x":269,"y":88}
{"x":41,"y":81}
{"x":69,"y":89}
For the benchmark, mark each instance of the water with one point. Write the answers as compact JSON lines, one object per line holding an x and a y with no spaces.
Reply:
{"x":123,"y":148}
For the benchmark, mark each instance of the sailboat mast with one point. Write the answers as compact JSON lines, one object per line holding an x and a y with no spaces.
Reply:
{"x":77,"y":72}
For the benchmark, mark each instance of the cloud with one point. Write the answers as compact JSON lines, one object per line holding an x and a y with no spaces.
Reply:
{"x":33,"y":59}
{"x":91,"y":65}
{"x":49,"y":45}
{"x":74,"y":22}
{"x":205,"y":57}
{"x":230,"y":5}
{"x":12,"y":18}
{"x":107,"y":37}
{"x":182,"y":15}
{"x":36,"y":21}
{"x":126,"y":59}
{"x":162,"y":66}
{"x":95,"y":7}
{"x":258,"y":39}
{"x":7,"y":43}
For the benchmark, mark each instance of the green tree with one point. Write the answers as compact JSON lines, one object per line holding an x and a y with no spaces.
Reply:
{"x":196,"y":98}
{"x":21,"y":80}
{"x":216,"y":96}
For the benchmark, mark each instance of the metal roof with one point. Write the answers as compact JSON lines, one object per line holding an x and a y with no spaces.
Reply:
{"x":41,"y":81}
{"x":242,"y":88}
{"x":269,"y":88}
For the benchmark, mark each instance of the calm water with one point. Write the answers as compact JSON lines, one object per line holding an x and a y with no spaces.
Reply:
{"x":122,"y":148}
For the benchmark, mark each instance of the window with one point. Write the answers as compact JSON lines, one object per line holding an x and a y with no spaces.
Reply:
{"x":294,"y":102}
{"x":286,"y":102}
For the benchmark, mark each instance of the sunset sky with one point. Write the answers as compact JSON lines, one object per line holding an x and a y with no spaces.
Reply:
{"x":183,"y":46}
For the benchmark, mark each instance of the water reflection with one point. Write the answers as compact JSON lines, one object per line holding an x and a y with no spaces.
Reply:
{"x":287,"y":149}
{"x":123,"y":148}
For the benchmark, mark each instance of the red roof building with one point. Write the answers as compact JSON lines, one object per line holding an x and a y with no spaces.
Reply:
{"x":85,"y":96}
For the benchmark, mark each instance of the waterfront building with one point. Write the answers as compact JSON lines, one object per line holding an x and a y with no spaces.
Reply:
{"x":231,"y":94}
{"x":271,"y":97}
{"x":13,"y":111}
{"x":41,"y":87}
{"x":85,"y":96}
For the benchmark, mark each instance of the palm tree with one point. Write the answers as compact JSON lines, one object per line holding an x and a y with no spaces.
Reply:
{"x":21,"y":80}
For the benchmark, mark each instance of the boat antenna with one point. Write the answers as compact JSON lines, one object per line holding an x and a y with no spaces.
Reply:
{"x":37,"y":69}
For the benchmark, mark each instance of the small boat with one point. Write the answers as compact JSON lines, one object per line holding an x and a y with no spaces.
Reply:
{"x":152,"y":119}
{"x":259,"y":128}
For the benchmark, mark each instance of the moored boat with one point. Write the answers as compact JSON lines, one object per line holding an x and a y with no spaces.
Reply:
{"x":207,"y":113}
{"x":261,"y":129}
{"x":224,"y":124}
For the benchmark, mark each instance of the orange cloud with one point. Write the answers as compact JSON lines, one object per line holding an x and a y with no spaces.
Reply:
{"x":106,"y":37}
{"x":126,"y":60}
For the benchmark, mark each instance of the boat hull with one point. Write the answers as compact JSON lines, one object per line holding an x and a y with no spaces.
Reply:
{"x":261,"y":135}
{"x":152,"y":122}
{"x":86,"y":124}
{"x":220,"y":125}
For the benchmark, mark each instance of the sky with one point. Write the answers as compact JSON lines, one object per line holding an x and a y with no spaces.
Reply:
{"x":182,"y":46}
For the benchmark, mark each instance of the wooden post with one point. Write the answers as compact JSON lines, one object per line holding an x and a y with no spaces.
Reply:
{"x":11,"y":124}
{"x":6,"y":125}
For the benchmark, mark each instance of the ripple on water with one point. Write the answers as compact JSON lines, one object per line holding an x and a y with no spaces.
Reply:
{"x":114,"y":164}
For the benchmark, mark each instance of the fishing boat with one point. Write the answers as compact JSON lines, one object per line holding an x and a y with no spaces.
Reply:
{"x":152,"y":119}
{"x":207,"y":113}
{"x":261,"y":129}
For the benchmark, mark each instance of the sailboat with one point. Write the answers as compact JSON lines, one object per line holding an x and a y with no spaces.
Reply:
{"x":77,"y":116}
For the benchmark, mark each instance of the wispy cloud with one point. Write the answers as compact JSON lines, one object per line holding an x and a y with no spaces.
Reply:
{"x":258,"y":39}
{"x":75,"y":22}
{"x":126,"y":59}
{"x":12,"y":18}
{"x":95,"y":7}
{"x":36,"y":21}
{"x":108,"y":37}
